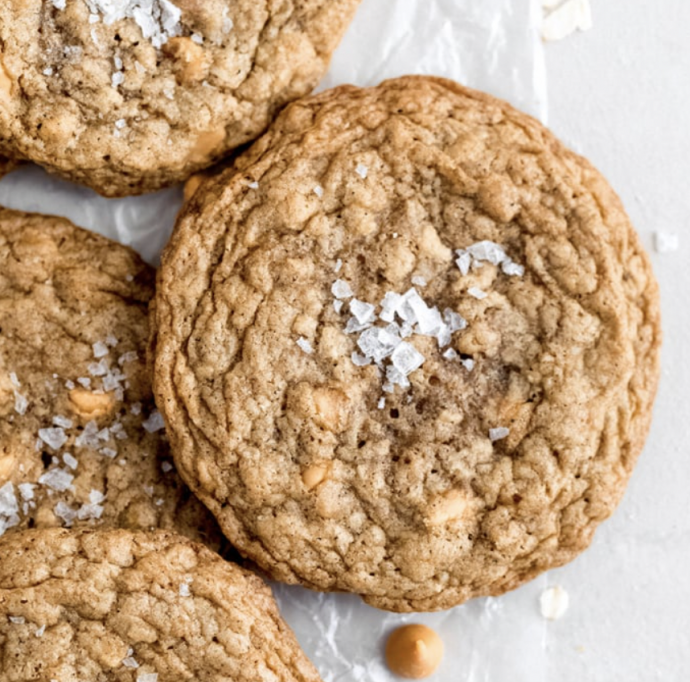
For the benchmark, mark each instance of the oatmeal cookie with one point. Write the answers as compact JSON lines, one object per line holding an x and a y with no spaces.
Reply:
{"x":408,"y":348}
{"x":81,"y":442}
{"x":133,"y":96}
{"x":125,"y":606}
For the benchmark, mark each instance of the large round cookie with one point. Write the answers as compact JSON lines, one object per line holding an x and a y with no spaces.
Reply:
{"x":131,"y":96}
{"x":150,"y":607}
{"x":80,"y":440}
{"x":493,"y":277}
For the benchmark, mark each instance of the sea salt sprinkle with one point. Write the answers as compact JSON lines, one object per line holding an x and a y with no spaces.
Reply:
{"x":57,"y":479}
{"x":154,"y":422}
{"x":54,"y":438}
{"x":362,"y":171}
{"x":305,"y":345}
{"x":498,"y":433}
{"x":382,"y":329}
{"x":147,"y":677}
{"x":9,"y":508}
{"x":159,"y":20}
{"x":487,"y":252}
{"x":130,"y":661}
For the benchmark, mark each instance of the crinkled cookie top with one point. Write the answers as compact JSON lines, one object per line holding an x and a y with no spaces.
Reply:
{"x":128,"y":97}
{"x":145,"y":607}
{"x":409,"y":349}
{"x":81,"y":443}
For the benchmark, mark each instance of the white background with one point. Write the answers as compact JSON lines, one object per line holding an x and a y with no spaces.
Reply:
{"x":620,"y":94}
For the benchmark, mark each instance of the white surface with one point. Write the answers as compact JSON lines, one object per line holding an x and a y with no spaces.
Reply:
{"x":619,"y":94}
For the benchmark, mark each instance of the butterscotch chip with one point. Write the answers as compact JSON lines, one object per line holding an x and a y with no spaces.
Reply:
{"x":420,"y":287}
{"x":81,"y":442}
{"x":414,"y":651}
{"x":129,"y":97}
{"x":121,"y":605}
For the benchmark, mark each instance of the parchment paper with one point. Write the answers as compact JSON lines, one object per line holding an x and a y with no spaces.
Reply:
{"x":492,"y":45}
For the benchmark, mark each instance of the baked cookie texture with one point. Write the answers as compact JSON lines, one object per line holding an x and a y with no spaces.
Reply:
{"x":81,"y":442}
{"x":130,"y":97}
{"x":417,"y":484}
{"x":122,"y":605}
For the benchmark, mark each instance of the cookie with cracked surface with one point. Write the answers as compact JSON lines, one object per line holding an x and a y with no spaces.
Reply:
{"x":409,"y":349}
{"x":122,"y":605}
{"x":80,"y":440}
{"x":133,"y":98}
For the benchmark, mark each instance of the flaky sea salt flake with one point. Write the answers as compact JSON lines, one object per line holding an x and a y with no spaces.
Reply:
{"x":362,"y":171}
{"x":57,"y":479}
{"x":54,"y":437}
{"x":17,"y":620}
{"x":154,"y":422}
{"x":20,"y":403}
{"x":364,"y":312}
{"x":147,"y":677}
{"x":65,"y":512}
{"x":499,"y":433}
{"x":130,"y":661}
{"x":64,"y":422}
{"x":26,"y":490}
{"x":305,"y":345}
{"x":8,"y":500}
{"x":477,"y":293}
{"x":463,"y":261}
{"x":360,"y":360}
{"x":70,"y":461}
{"x":341,"y":289}
{"x":39,"y":631}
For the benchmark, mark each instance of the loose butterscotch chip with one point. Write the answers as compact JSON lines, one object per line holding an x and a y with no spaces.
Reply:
{"x":414,"y":652}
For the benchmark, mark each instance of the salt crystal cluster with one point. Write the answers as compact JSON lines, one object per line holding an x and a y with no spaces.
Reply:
{"x":381,"y":334}
{"x":159,"y":20}
{"x":487,"y":252}
{"x":106,"y":376}
{"x":383,"y":328}
{"x":9,"y":507}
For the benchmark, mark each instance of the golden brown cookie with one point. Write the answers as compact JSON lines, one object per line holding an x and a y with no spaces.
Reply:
{"x":126,"y":606}
{"x":409,"y":349}
{"x":132,"y":96}
{"x":81,"y":443}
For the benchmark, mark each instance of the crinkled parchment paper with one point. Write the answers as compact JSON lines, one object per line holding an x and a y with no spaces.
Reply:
{"x":492,"y":45}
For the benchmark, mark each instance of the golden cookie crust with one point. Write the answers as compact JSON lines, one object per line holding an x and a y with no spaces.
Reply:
{"x":124,"y":108}
{"x":412,"y":506}
{"x":77,"y":417}
{"x":126,"y":606}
